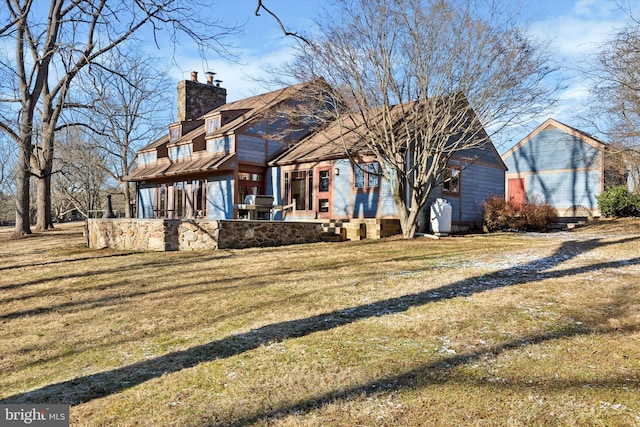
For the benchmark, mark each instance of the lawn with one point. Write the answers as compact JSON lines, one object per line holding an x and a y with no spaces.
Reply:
{"x":479,"y":330}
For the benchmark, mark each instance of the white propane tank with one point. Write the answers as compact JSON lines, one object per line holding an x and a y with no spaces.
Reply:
{"x":441,"y":217}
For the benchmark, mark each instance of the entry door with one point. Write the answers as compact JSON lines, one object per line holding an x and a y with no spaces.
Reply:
{"x":516,"y":191}
{"x":323,"y":198}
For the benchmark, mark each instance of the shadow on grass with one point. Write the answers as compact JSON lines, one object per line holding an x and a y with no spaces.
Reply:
{"x":430,"y":373}
{"x":65,"y":261}
{"x":83,"y":389}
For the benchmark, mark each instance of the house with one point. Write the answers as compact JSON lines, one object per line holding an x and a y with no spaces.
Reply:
{"x":331,"y":174}
{"x":218,"y":153}
{"x":559,"y":165}
{"x":215,"y":154}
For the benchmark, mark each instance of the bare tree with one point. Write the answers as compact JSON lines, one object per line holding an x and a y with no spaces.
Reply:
{"x":614,"y":73}
{"x":81,"y":175}
{"x":419,"y":78}
{"x":51,"y":49}
{"x":7,"y":158}
{"x":130,"y":109}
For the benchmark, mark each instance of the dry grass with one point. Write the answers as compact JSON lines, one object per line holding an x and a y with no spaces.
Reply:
{"x":491,"y":330}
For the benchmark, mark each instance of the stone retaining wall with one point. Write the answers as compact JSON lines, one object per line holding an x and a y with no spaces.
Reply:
{"x":191,"y":235}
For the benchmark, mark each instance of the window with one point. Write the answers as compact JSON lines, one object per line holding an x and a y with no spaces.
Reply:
{"x":200,"y":197}
{"x":147,"y":158}
{"x":451,"y":180}
{"x":180,"y":152}
{"x":160,"y":208}
{"x":366,"y":175}
{"x":373,"y":175}
{"x":310,"y":187}
{"x":249,"y":183}
{"x":175,"y":134}
{"x":299,"y":189}
{"x":213,"y":124}
{"x":179,"y":199}
{"x":219,"y":145}
{"x":323,"y":185}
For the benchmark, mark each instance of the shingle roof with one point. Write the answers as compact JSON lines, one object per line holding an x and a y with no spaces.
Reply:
{"x":332,"y":142}
{"x":251,"y":108}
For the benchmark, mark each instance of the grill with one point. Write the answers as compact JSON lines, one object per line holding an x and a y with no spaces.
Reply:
{"x":256,"y":207}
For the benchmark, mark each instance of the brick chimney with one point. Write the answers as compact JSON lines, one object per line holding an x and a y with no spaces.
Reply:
{"x":196,"y":99}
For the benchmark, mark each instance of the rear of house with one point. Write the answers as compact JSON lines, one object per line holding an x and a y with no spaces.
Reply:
{"x":218,"y":153}
{"x":215,"y":155}
{"x":322,"y":181}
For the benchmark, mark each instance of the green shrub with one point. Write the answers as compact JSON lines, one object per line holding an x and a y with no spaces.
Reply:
{"x":532,"y":216}
{"x":618,"y":202}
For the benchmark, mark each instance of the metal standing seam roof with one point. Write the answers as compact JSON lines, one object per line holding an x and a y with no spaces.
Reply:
{"x":179,"y":168}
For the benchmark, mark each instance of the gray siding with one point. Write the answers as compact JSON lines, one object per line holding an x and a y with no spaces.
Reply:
{"x":273,"y":148}
{"x":219,"y":197}
{"x":485,"y":155}
{"x":387,"y":205}
{"x":342,"y":189}
{"x":477,"y":184}
{"x":347,"y":202}
{"x":552,"y":149}
{"x":563,"y":189}
{"x":365,"y":204}
{"x":250,"y":149}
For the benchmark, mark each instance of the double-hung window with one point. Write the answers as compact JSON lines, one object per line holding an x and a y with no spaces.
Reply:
{"x":366,"y":175}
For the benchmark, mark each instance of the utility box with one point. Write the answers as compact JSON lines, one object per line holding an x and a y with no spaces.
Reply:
{"x":441,"y":217}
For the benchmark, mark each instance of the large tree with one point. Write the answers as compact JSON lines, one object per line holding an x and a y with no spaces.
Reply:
{"x":81,"y":175}
{"x":615,"y":75}
{"x":128,"y":106}
{"x":51,"y":49}
{"x":419,"y":78}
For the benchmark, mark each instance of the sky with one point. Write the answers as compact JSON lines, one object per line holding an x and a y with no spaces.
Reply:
{"x":573,"y":29}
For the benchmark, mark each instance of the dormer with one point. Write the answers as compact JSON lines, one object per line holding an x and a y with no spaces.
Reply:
{"x":180,"y":129}
{"x":175,"y":132}
{"x":147,"y":158}
{"x":213,"y":123}
{"x":180,"y":152}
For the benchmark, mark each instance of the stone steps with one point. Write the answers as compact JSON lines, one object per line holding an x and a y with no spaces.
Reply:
{"x":568,"y":223}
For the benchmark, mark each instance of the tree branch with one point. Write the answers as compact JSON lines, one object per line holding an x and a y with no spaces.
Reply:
{"x":282,"y":27}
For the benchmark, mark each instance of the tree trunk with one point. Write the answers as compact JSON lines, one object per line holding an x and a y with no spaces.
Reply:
{"x":44,"y":220}
{"x":127,"y":199}
{"x":22,"y":190}
{"x":408,"y":221}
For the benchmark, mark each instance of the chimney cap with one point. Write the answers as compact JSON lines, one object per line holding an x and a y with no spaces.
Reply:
{"x":194,"y":76}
